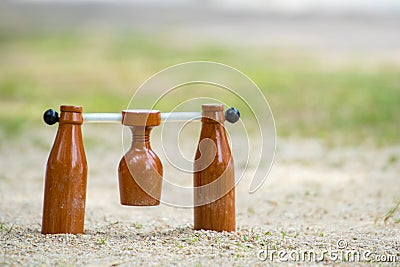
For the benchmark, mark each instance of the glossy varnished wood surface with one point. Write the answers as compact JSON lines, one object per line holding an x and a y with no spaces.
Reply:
{"x":66,"y":177}
{"x":140,"y":170}
{"x":214,"y":191}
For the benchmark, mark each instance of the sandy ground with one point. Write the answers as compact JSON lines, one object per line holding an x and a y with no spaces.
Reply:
{"x":315,"y":197}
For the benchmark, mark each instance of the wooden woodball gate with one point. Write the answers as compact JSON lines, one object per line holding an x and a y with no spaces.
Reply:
{"x":140,"y":170}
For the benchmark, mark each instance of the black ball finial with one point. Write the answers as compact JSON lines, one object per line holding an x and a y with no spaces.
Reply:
{"x":50,"y":116}
{"x":232,"y":115}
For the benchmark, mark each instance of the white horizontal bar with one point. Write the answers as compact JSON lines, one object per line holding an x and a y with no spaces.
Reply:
{"x":180,"y":116}
{"x":117,"y":117}
{"x":102,"y":117}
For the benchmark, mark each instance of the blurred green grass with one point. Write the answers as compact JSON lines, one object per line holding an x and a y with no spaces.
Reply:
{"x":310,"y":96}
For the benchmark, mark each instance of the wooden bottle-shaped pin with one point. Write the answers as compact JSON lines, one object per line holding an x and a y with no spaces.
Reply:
{"x":214,"y":180}
{"x":66,"y":177}
{"x":140,"y":170}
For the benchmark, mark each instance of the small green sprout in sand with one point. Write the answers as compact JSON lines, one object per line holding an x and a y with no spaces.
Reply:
{"x":318,"y":232}
{"x":391,"y":212}
{"x":138,"y":225}
{"x":101,"y":241}
{"x":7,"y":230}
{"x":283,"y":233}
{"x":218,"y":241}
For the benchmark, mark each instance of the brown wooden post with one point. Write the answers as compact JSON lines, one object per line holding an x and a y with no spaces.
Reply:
{"x":66,"y":177}
{"x":214,"y":180}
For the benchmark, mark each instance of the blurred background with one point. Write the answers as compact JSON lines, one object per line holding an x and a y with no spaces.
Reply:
{"x":330,"y":70}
